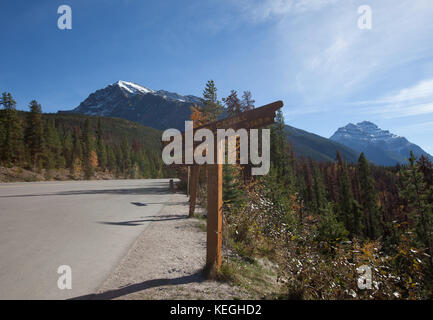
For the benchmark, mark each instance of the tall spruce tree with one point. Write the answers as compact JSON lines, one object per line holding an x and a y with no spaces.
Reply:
{"x":12,"y":146}
{"x":77,"y":153}
{"x":53,"y":147}
{"x":68,"y":147}
{"x":87,"y":150}
{"x":279,"y":144}
{"x":347,"y":208}
{"x":212,"y":108}
{"x":34,"y":136}
{"x":101,"y":152}
{"x":369,"y":199}
{"x":126,"y":158}
{"x":233,"y":104}
{"x":319,"y":191}
{"x":418,"y":194}
{"x":247,"y":101}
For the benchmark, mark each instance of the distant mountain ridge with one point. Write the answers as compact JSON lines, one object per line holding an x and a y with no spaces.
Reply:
{"x":157,"y":109}
{"x":313,"y":146}
{"x":162,"y":110}
{"x":380,"y":146}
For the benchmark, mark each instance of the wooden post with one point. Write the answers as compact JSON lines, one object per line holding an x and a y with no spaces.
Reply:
{"x":195,"y":175}
{"x":214,"y":212}
{"x":188,"y":191}
{"x":254,"y":118}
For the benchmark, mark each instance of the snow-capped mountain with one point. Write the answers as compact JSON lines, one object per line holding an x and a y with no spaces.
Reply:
{"x":380,"y":146}
{"x":158,"y":109}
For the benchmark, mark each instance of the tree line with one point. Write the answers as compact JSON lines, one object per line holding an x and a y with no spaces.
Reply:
{"x":80,"y":144}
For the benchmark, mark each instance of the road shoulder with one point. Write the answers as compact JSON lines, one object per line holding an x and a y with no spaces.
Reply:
{"x":165,"y":262}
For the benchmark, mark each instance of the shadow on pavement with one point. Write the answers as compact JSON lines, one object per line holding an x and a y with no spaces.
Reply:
{"x":112,"y":294}
{"x":148,"y":219}
{"x":139,"y":204}
{"x":177,"y":203}
{"x":126,"y":191}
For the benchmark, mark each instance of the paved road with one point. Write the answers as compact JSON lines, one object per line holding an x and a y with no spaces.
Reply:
{"x":88,"y":225}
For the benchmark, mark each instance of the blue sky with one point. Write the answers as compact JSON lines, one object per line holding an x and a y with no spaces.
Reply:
{"x":308,"y":53}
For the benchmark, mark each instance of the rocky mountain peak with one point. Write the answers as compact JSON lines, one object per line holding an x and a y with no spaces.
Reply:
{"x":380,"y":146}
{"x":159,"y":109}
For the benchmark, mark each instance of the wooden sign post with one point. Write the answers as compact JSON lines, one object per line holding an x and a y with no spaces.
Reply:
{"x":251,"y":119}
{"x":214,"y":215}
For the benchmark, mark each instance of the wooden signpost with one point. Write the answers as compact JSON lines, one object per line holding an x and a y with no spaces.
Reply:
{"x":251,"y":119}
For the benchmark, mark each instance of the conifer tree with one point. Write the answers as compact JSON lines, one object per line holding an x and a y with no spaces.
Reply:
{"x":111,"y":159}
{"x":77,"y":153}
{"x":212,"y":108}
{"x":247,"y":101}
{"x":419,"y":200}
{"x":125,"y":156}
{"x":347,"y":208}
{"x":318,"y":189}
{"x":232,"y":190}
{"x":233,"y":104}
{"x":101,"y":152}
{"x":35,"y":132}
{"x":53,"y":149}
{"x":68,"y":147}
{"x":330,"y":229}
{"x":87,"y":150}
{"x":279,"y":144}
{"x":12,"y":147}
{"x":369,"y":200}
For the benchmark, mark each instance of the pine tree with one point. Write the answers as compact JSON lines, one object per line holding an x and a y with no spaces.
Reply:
{"x":68,"y":147}
{"x":77,"y":153}
{"x":346,"y":206}
{"x":12,"y":147}
{"x":279,"y":145}
{"x":126,"y":159}
{"x":233,"y":104}
{"x":419,"y":199}
{"x":318,"y":189}
{"x":212,"y":108}
{"x":357,"y":218}
{"x":330,"y":229}
{"x":111,"y":159}
{"x":369,"y":200}
{"x":101,"y":152}
{"x":87,"y":150}
{"x":34,"y":136}
{"x":247,"y":101}
{"x":53,"y":147}
{"x":232,"y":191}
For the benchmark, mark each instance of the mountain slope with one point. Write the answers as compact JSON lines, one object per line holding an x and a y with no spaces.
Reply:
{"x":157,"y":109}
{"x":380,"y":146}
{"x":313,"y":146}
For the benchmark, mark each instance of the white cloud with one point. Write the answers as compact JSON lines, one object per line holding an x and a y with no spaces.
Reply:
{"x":261,"y":10}
{"x":411,"y":101}
{"x":330,"y":56}
{"x":421,"y":90}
